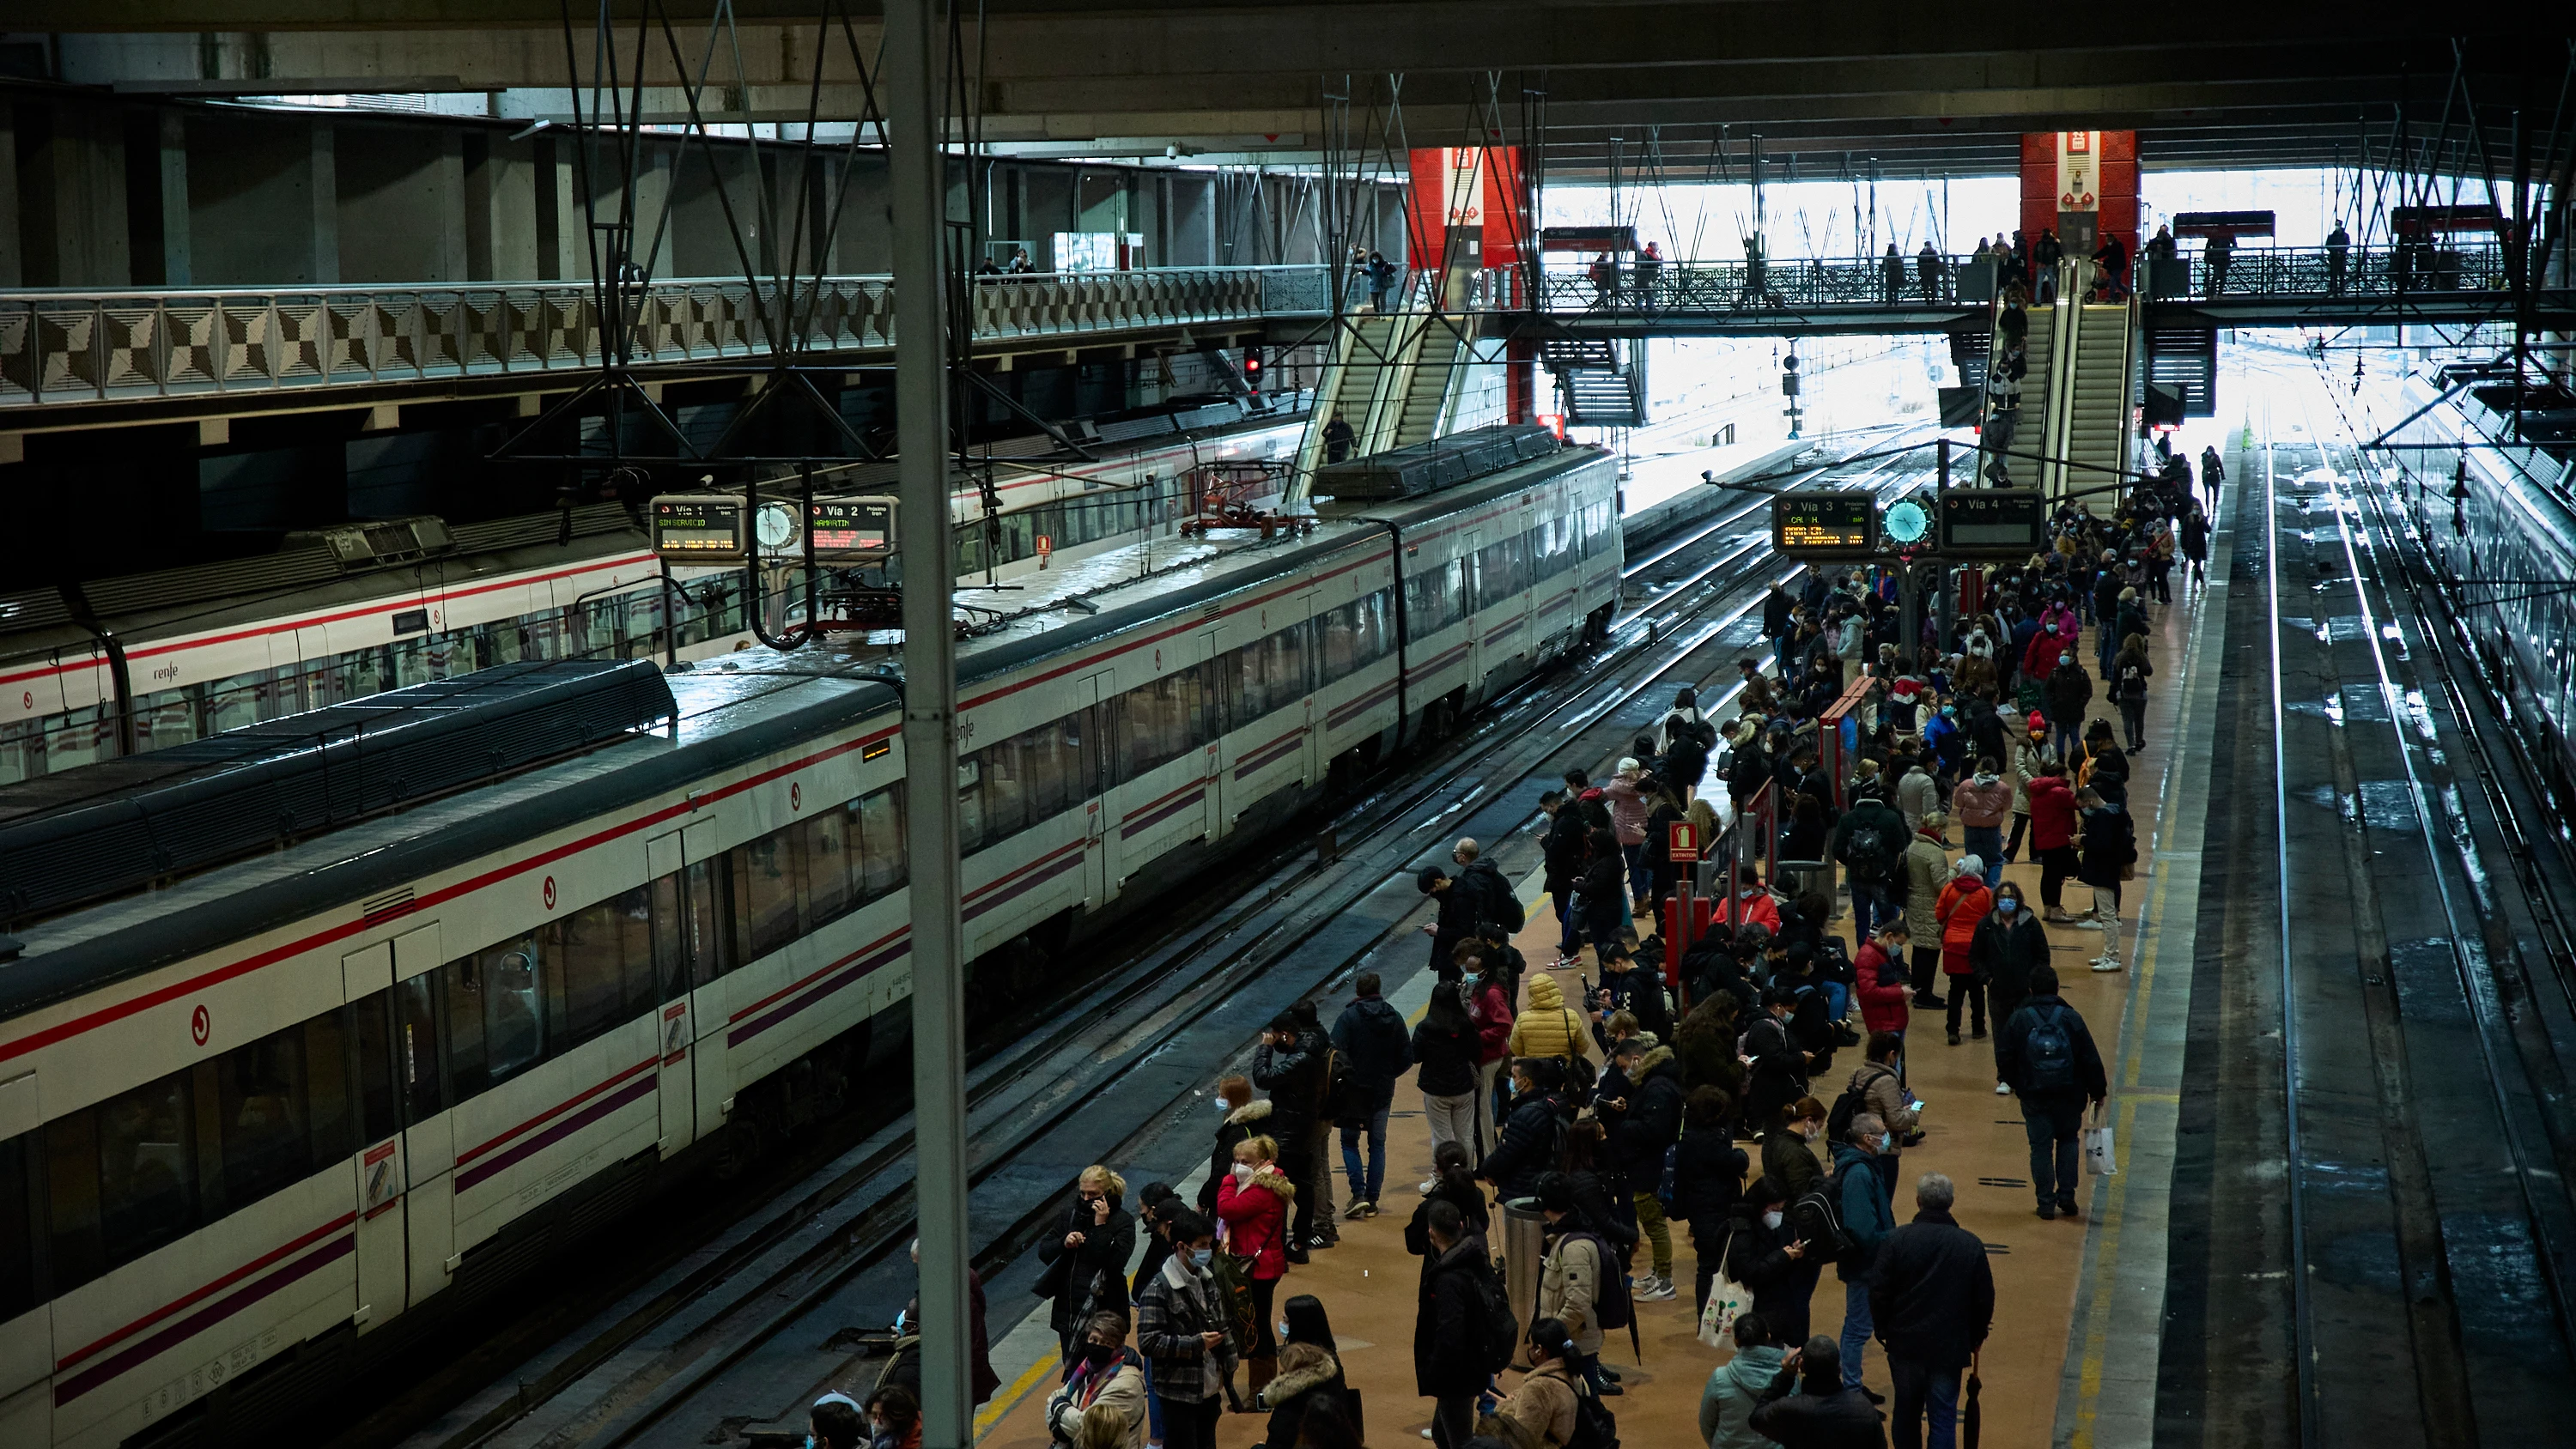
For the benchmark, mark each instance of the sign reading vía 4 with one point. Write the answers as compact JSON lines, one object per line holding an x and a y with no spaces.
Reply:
{"x":2000,"y":523}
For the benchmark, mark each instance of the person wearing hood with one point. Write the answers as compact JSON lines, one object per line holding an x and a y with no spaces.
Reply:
{"x":2052,"y":836}
{"x":1309,"y":1375}
{"x":1648,"y":1127}
{"x":2110,"y":849}
{"x":1107,"y":1372}
{"x":1086,"y":1254}
{"x":1982,"y":802}
{"x":1376,"y":1049}
{"x":1735,"y":1388}
{"x":1444,"y":1046}
{"x":2070,"y":691}
{"x":1549,"y":1028}
{"x":1964,"y":902}
{"x":1764,"y":1255}
{"x":1927,"y":870}
{"x":1449,"y":1363}
{"x":1245,"y":1116}
{"x":1253,"y":1203}
{"x":1861,"y":1183}
{"x":2010,"y":943}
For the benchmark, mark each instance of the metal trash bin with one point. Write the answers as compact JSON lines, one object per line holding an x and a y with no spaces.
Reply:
{"x":1524,"y":1258}
{"x":1801,"y":877}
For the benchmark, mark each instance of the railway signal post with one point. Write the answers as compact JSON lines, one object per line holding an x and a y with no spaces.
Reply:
{"x":930,"y":724}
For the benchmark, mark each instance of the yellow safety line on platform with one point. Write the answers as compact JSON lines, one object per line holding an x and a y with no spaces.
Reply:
{"x":1009,"y":1399}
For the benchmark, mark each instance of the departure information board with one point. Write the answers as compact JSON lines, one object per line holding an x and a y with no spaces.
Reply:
{"x":2009,"y":523}
{"x":853,"y":530}
{"x":699,"y":528}
{"x":1825,"y":525}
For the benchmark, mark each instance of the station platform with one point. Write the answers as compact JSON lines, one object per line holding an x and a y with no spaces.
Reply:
{"x":2072,"y":1356}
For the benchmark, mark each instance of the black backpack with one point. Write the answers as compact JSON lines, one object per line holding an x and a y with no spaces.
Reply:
{"x":1820,"y":1225}
{"x":1850,"y":1104}
{"x":1595,"y":1427}
{"x":1867,"y":854}
{"x":1499,"y":1333}
{"x":1510,"y":912}
{"x":1610,"y":1292}
{"x":2048,"y":1050}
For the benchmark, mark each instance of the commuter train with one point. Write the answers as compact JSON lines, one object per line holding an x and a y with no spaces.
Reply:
{"x":2515,"y":530}
{"x":174,"y":657}
{"x":301,"y":1050}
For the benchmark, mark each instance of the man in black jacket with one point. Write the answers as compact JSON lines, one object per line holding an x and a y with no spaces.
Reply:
{"x":1646,"y":1130}
{"x":1870,"y":842}
{"x":1818,"y":1413}
{"x":1293,"y":1066}
{"x":1561,"y":847}
{"x":1932,"y":1304}
{"x":1528,"y":1146}
{"x":1461,"y":909}
{"x":1483,"y":879}
{"x":1450,"y":1365}
{"x":2046,"y":1055}
{"x":1375,"y":1050}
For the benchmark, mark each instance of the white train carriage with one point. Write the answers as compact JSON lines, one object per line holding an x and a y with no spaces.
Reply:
{"x":202,"y":650}
{"x":263,"y":1116}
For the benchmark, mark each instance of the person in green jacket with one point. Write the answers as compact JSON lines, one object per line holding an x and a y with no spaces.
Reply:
{"x":1735,"y":1388}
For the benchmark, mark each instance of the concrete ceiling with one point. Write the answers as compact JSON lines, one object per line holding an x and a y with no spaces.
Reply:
{"x":1936,"y":89}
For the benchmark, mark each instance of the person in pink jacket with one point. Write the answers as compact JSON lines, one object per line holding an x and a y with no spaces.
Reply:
{"x":1981,"y":804}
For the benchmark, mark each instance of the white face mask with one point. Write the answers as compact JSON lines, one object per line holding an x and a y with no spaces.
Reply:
{"x":1771,"y":1219}
{"x":1243,"y":1172}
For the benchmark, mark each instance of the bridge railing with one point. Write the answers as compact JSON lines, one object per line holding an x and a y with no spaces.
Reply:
{"x":1631,"y":286}
{"x":73,"y":346}
{"x":2377,"y":272}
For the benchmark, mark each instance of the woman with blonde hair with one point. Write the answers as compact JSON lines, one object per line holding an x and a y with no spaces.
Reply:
{"x":1253,"y":1204}
{"x":1086,"y":1255}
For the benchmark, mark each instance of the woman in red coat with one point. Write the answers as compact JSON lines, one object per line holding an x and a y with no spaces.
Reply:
{"x":2052,"y":835}
{"x":1253,"y":1202}
{"x":1964,"y":902}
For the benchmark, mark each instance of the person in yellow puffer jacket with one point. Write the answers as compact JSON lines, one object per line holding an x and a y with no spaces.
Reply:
{"x":1549,"y":1028}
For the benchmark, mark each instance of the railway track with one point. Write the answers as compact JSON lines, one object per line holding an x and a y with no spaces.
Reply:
{"x":654,"y":1366}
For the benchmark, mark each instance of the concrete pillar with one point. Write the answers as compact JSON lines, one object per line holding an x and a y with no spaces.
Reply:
{"x":401,"y":204}
{"x":325,"y":188}
{"x":252,"y":218}
{"x":476,"y":197}
{"x":72,"y":218}
{"x":178,"y":267}
{"x":10,"y":217}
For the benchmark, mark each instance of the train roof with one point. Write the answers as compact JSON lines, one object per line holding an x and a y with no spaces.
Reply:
{"x":724,"y":714}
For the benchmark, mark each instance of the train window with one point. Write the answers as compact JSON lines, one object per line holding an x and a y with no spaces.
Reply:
{"x":260,"y":1116}
{"x":514,"y":1034}
{"x":831,"y":869}
{"x":1001,"y":791}
{"x":710,"y":891}
{"x":372,"y":1037}
{"x":147,"y":1168}
{"x":17,"y":1228}
{"x":416,"y":1051}
{"x":768,"y":893}
{"x":327,"y":1099}
{"x":1160,"y":722}
{"x":71,"y":1181}
{"x":1356,"y":635}
{"x":881,"y":842}
{"x":970,"y":804}
{"x":598,"y":965}
{"x":1051,"y":760}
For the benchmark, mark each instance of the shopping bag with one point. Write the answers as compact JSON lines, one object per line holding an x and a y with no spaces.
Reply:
{"x":2099,"y":1158}
{"x":1728,"y":1301}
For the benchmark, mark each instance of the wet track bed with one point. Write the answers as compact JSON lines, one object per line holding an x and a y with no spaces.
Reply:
{"x":2372,"y":1229}
{"x":705,"y":1332}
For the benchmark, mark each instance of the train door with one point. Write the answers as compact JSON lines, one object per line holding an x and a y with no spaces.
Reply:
{"x":426,"y":1151}
{"x":665,"y":865}
{"x":1216,"y":721}
{"x":1099,"y":842}
{"x":27,"y":1326}
{"x":1469,"y":601}
{"x":383,"y":1251}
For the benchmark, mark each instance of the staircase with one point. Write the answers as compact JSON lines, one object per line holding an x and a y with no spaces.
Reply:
{"x":1605,"y":382}
{"x":1366,"y":358}
{"x":1430,"y":385}
{"x":2184,"y":361}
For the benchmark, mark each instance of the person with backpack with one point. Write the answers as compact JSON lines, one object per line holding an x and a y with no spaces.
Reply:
{"x":1496,"y":901}
{"x":1708,"y":1179}
{"x":1876,"y":1088}
{"x":1648,"y":1131}
{"x":1453,"y":1356}
{"x":2047,"y":1056}
{"x":1764,"y":1255}
{"x":1531,"y":1138}
{"x":1932,"y":1305}
{"x":1579,"y":1282}
{"x":1370,"y":1037}
{"x":1870,"y":841}
{"x":2009,"y":944}
{"x":1927,"y":870}
{"x":1861,"y":1192}
{"x":1788,"y":1149}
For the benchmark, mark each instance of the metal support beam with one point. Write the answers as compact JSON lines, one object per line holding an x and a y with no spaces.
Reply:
{"x":919,"y":205}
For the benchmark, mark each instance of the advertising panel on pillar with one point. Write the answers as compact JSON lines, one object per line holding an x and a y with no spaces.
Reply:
{"x":2082,"y":185}
{"x":1470,"y":211}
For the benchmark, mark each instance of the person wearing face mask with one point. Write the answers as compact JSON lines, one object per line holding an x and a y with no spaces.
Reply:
{"x":1764,"y":1255}
{"x":1086,"y":1254}
{"x":2070,"y":693}
{"x":1252,"y":1203}
{"x":2009,"y":943}
{"x":1243,"y":1116}
{"x":894,"y":1419}
{"x":1107,"y":1374}
{"x":1964,"y":902}
{"x":1861,"y":1192}
{"x":1789,"y":1152}
{"x":1181,"y":1328}
{"x":1982,"y":802}
{"x":834,"y":1423}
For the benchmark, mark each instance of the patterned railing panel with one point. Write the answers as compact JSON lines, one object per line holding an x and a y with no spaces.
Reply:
{"x":73,"y":347}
